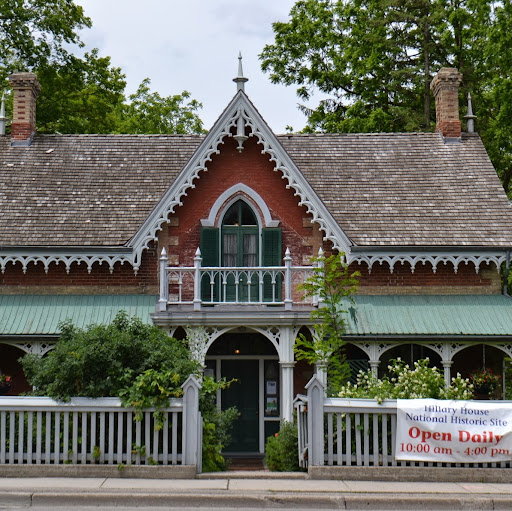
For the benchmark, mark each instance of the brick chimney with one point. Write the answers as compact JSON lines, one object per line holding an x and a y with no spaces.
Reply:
{"x":445,"y":87}
{"x":25,"y":91}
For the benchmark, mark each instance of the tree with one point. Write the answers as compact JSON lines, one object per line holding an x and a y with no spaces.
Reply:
{"x":81,"y":94}
{"x":375,"y":58}
{"x":148,"y":112}
{"x":333,"y":284}
{"x":36,"y":32}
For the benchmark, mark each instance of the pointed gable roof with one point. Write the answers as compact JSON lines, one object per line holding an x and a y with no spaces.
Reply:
{"x":240,"y":107}
{"x":75,"y":198}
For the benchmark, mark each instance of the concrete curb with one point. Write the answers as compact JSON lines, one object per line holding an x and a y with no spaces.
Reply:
{"x":255,"y":500}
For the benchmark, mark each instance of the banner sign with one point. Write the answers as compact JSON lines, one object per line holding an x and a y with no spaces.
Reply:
{"x":453,"y":431}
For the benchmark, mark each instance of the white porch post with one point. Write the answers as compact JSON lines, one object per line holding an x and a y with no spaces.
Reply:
{"x":447,"y":365}
{"x":287,"y":392}
{"x":197,"y":280}
{"x":197,"y":342}
{"x":287,"y":363}
{"x":288,"y":301}
{"x":164,"y":282}
{"x":374,"y":366}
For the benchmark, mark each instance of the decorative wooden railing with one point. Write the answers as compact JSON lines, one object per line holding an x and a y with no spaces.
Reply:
{"x":39,"y":430}
{"x":353,"y":432}
{"x":256,"y":285}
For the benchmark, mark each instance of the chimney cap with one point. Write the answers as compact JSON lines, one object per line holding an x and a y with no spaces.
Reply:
{"x":24,"y":80}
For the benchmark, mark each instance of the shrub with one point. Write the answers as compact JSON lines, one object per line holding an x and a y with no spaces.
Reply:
{"x":217,"y":424}
{"x":406,"y":383}
{"x":282,"y":448}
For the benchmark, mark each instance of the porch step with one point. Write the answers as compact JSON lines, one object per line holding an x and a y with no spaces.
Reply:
{"x":239,"y":464}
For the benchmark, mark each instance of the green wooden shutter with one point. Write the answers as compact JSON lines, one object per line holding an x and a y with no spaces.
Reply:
{"x":210,"y":255}
{"x":271,"y":239}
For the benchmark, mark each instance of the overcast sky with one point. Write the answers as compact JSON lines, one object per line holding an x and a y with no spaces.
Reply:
{"x":193,"y":45}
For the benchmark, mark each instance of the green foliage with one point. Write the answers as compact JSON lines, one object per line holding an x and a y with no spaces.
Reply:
{"x":35,"y":32}
{"x":375,"y":59}
{"x":420,"y":382}
{"x":148,"y":112}
{"x":152,"y":389}
{"x":106,"y":360}
{"x":333,"y":284}
{"x":217,"y":424}
{"x":81,"y":93}
{"x":282,"y":448}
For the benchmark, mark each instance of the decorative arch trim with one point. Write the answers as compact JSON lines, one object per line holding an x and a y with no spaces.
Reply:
{"x":239,"y":191}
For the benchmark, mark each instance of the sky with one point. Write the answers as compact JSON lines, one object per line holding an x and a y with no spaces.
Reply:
{"x":193,"y":45}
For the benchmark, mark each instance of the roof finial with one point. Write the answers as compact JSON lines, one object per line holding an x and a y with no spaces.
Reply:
{"x":3,"y":119}
{"x":240,"y":79}
{"x":470,"y":117}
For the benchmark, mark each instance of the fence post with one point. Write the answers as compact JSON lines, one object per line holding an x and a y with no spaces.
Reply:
{"x":315,"y":389}
{"x":164,"y":282}
{"x":288,"y":281}
{"x":197,"y":280}
{"x":191,"y":439}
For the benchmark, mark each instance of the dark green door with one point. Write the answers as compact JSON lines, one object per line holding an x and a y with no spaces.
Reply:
{"x":244,"y":395}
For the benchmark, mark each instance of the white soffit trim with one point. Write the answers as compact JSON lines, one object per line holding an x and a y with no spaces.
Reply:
{"x":435,"y":258}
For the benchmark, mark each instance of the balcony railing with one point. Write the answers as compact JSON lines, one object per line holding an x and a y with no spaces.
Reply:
{"x":256,"y":285}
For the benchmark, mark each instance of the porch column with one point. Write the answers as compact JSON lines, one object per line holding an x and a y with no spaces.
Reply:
{"x":447,"y":365}
{"x":374,"y":366}
{"x":287,"y":390}
{"x":287,"y":363}
{"x":197,"y":338}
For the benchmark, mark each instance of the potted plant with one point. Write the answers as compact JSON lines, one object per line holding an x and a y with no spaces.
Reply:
{"x":485,"y":381}
{"x":5,"y":384}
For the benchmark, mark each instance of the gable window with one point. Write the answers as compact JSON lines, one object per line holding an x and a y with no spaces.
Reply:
{"x":240,"y":242}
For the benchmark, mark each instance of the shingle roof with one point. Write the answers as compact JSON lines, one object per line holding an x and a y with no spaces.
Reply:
{"x":85,"y":189}
{"x":383,"y":189}
{"x":406,"y":188}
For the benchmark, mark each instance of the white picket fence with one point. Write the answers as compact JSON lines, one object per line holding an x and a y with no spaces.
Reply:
{"x":353,"y":432}
{"x":39,"y":430}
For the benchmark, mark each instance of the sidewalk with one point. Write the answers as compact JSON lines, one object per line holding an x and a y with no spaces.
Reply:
{"x":251,"y":490}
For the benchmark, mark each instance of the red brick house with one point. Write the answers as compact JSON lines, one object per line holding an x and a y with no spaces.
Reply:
{"x":207,"y":237}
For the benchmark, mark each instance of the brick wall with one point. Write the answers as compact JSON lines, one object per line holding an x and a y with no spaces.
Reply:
{"x":182,"y":237}
{"x":79,"y":281}
{"x":425,"y":281}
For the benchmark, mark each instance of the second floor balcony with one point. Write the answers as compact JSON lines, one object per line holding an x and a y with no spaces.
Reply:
{"x":204,"y":286}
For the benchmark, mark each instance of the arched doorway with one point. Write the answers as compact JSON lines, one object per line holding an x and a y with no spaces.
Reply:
{"x":475,"y":358}
{"x":409,"y":353}
{"x":250,"y":359}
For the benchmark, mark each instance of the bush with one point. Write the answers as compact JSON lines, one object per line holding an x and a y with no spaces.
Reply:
{"x":217,"y":424}
{"x":282,"y":448}
{"x":106,"y":360}
{"x":406,"y":383}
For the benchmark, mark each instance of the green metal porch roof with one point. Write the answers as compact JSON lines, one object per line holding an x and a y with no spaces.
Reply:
{"x":414,"y":315}
{"x":465,"y":315}
{"x":41,"y":314}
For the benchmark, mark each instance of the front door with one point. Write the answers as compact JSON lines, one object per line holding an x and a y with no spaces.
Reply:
{"x":244,"y":395}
